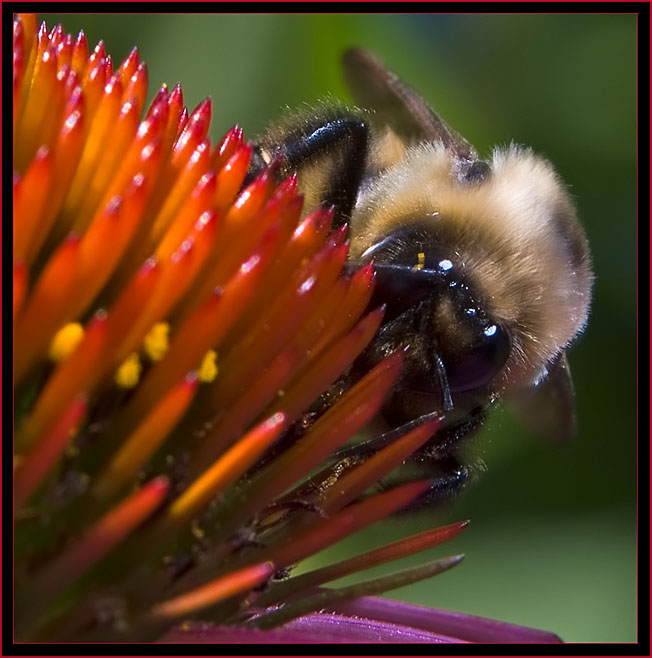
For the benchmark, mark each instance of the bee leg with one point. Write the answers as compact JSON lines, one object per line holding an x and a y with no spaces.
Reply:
{"x":294,"y":504}
{"x":444,"y":487}
{"x":451,"y":477}
{"x":341,"y":141}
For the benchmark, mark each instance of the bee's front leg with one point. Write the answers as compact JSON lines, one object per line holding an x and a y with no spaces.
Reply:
{"x":335,"y":144}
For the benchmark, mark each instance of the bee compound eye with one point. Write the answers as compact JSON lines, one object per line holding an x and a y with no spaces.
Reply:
{"x":479,"y":365}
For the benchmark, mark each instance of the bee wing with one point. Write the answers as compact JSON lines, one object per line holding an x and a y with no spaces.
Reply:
{"x":548,"y":409}
{"x":375,"y":87}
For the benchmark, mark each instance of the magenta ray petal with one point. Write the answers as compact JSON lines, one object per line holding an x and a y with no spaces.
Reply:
{"x":315,"y":628}
{"x":446,"y":623}
{"x":358,"y":629}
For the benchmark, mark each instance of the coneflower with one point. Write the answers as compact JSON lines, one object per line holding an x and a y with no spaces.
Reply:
{"x":172,"y":327}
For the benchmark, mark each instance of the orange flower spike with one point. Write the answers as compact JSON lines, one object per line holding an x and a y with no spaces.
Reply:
{"x":29,"y":134}
{"x":79,"y":59}
{"x":30,"y":198}
{"x":192,"y":136}
{"x":176,"y":274}
{"x":284,"y":195}
{"x":195,"y":168}
{"x":208,"y":279}
{"x":127,"y":69}
{"x":263,"y":342}
{"x":25,"y":40}
{"x":136,"y":86}
{"x":154,"y":125}
{"x":291,"y":207}
{"x":128,"y":306}
{"x":122,"y":136}
{"x":358,"y":295}
{"x":323,"y":533}
{"x":144,"y":156}
{"x":20,"y":286}
{"x":329,"y":433}
{"x":291,"y":251}
{"x":305,"y":241}
{"x":37,"y":45}
{"x":175,"y":111}
{"x":388,"y":553}
{"x":309,"y":336}
{"x":20,"y":54}
{"x":239,"y":238}
{"x":98,"y":54}
{"x":215,"y":591}
{"x":183,"y":122}
{"x":75,"y":374}
{"x":335,"y":257}
{"x":159,"y":111}
{"x":225,"y":470}
{"x":327,"y":367}
{"x":287,"y":190}
{"x":108,"y":67}
{"x":326,"y":270}
{"x":161,"y":97}
{"x":45,"y":454}
{"x":19,"y":29}
{"x":30,"y":26}
{"x":150,"y":434}
{"x":148,"y":166}
{"x":42,"y":39}
{"x":73,"y":93}
{"x":225,"y":150}
{"x":201,"y":331}
{"x":98,"y":140}
{"x":358,"y":480}
{"x":230,"y":178}
{"x":64,"y":52}
{"x":97,"y":252}
{"x":244,"y":410}
{"x":360,"y":291}
{"x":51,"y":123}
{"x":297,"y":244}
{"x":56,"y":35}
{"x":199,"y":201}
{"x":107,"y":533}
{"x":66,"y":153}
{"x":106,"y":240}
{"x":248,"y":203}
{"x":307,"y":268}
{"x":202,"y":237}
{"x":93,"y":82}
{"x":17,"y":84}
{"x":45,"y":308}
{"x":20,"y":45}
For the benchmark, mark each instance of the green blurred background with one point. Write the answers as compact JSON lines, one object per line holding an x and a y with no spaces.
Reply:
{"x":552,"y":539}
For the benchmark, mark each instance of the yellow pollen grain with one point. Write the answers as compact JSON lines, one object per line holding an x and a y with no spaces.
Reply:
{"x":157,"y":341}
{"x":128,"y":374}
{"x":197,"y":532}
{"x":421,"y":261}
{"x":65,"y":341}
{"x":208,"y":369}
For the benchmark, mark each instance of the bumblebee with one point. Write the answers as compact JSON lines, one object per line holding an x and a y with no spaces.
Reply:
{"x":482,"y":264}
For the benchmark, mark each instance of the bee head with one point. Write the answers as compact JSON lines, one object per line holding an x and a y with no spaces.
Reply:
{"x":454,"y":347}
